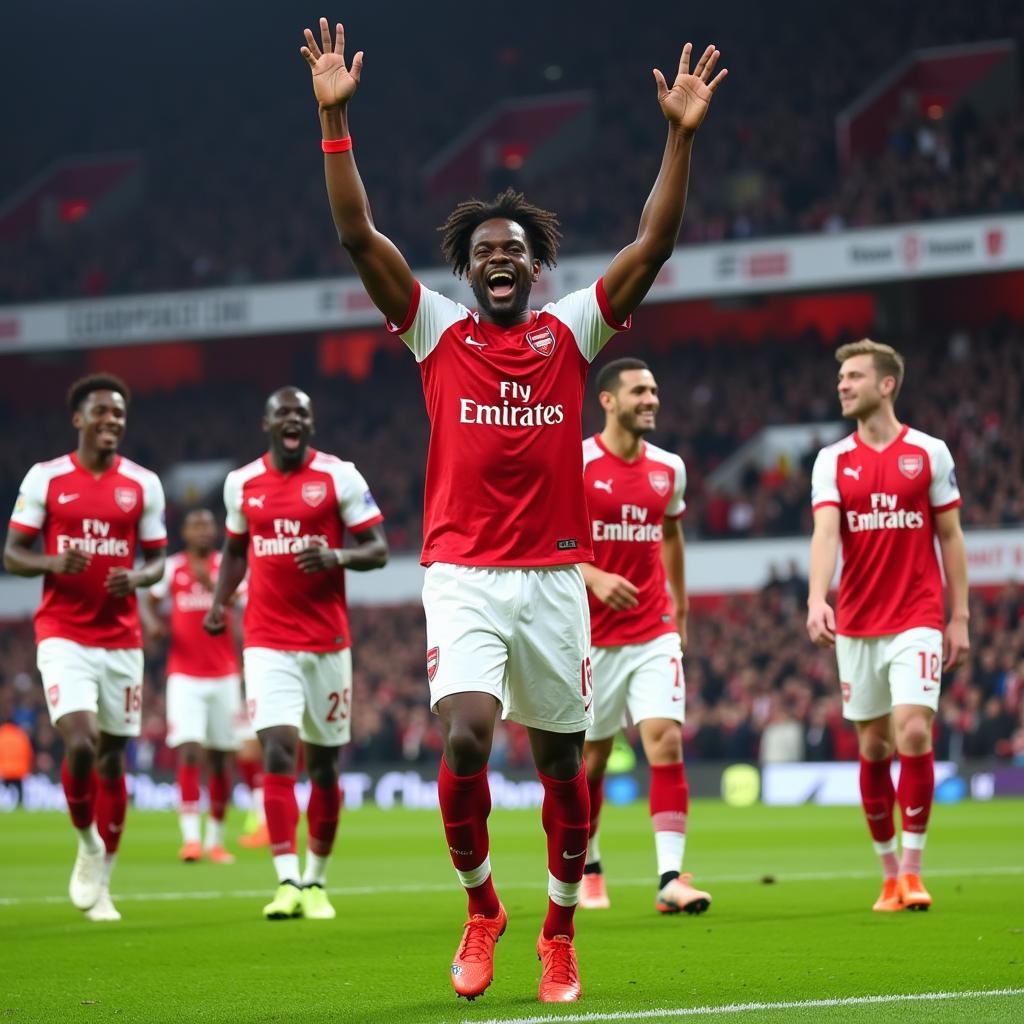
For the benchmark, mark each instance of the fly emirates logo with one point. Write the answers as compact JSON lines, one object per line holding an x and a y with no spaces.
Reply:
{"x":514,"y":409}
{"x":288,"y":539}
{"x":884,"y":515}
{"x":632,"y":527}
{"x":95,"y":540}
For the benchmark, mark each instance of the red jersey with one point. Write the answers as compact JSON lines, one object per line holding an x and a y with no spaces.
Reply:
{"x":887,"y":501}
{"x":108,"y":518}
{"x":193,"y":652}
{"x":504,"y":483}
{"x":282,"y":514}
{"x":628,"y":503}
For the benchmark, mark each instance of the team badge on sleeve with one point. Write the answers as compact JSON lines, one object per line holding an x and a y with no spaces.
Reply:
{"x":313,"y":493}
{"x":126,"y":498}
{"x":541,"y":341}
{"x":659,"y":481}
{"x":433,"y":657}
{"x":911,"y":465}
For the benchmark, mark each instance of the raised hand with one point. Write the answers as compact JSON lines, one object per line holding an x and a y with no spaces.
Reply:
{"x":333,"y":82}
{"x":687,"y":102}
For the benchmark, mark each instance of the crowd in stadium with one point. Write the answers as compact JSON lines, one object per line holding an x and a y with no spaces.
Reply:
{"x":253,"y":209}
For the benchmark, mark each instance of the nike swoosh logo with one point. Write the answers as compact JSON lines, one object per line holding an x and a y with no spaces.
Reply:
{"x":476,"y":344}
{"x":572,"y":856}
{"x":913,"y":812}
{"x":63,"y":499}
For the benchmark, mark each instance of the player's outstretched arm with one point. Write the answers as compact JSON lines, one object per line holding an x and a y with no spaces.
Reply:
{"x":821,"y":619}
{"x":234,"y":561}
{"x":684,"y":104}
{"x":381,"y":267}
{"x":956,"y":641}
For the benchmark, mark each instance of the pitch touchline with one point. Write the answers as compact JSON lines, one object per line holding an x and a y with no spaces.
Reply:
{"x":383,"y":890}
{"x":795,"y":1004}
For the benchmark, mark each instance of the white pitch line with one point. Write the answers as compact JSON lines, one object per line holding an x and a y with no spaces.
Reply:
{"x":624,"y":883}
{"x":717,"y":1011}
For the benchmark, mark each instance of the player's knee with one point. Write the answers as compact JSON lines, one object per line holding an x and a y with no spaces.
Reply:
{"x":562,"y":764}
{"x":467,"y":748}
{"x":875,"y":748}
{"x":80,"y":750}
{"x":914,"y":736}
{"x":110,"y":763}
{"x":190,"y":754}
{"x":323,"y":774}
{"x":279,"y":758}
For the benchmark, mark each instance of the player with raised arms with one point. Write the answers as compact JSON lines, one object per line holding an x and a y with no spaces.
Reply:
{"x":638,"y":628}
{"x":94,"y":509}
{"x":505,"y":518}
{"x":287,"y":516}
{"x":886,"y":493}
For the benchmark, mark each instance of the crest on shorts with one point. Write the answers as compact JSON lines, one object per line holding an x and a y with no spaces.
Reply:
{"x":53,"y":693}
{"x":433,"y":657}
{"x":910,"y":465}
{"x":542,"y":341}
{"x":314,"y":493}
{"x":845,"y":689}
{"x":659,"y":481}
{"x":126,"y":498}
{"x":587,"y":683}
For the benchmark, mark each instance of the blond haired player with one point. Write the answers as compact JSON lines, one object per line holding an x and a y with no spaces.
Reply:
{"x":635,"y":497}
{"x":886,"y":493}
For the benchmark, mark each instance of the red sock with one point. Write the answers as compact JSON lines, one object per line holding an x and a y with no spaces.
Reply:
{"x":595,"y":787}
{"x":322,"y":817}
{"x":282,"y":812}
{"x":669,"y":798}
{"x":565,"y":815}
{"x":220,"y":792}
{"x":877,"y":796}
{"x":188,"y":787}
{"x":465,"y":802}
{"x":81,"y":795}
{"x":111,"y":808}
{"x":915,"y":790}
{"x":251,"y":771}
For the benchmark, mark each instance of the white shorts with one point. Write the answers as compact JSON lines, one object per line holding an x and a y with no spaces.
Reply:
{"x":309,"y":691}
{"x":522,"y":635}
{"x":878,"y":672}
{"x":203,"y":711}
{"x":106,"y":682}
{"x":647,"y":679}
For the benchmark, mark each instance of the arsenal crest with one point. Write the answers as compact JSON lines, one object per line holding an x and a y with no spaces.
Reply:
{"x":542,"y":341}
{"x":126,"y":498}
{"x":53,"y":693}
{"x":845,"y":690}
{"x":433,"y":657}
{"x":910,"y":465}
{"x":314,"y":493}
{"x":659,"y":482}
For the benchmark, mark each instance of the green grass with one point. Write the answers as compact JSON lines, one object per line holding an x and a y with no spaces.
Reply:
{"x":206,"y":955}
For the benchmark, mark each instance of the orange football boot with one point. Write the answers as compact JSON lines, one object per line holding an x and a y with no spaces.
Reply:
{"x":255,"y":840}
{"x":593,"y":894}
{"x":913,"y":894}
{"x":559,"y":973}
{"x":218,"y":855}
{"x":473,"y":966}
{"x":191,"y":852}
{"x":889,"y":900}
{"x":680,"y":895}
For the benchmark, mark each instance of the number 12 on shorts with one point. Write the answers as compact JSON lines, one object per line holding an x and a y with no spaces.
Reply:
{"x":929,"y":666}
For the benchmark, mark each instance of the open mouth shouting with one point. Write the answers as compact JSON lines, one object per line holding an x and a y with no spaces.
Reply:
{"x":501,"y":284}
{"x":292,"y":438}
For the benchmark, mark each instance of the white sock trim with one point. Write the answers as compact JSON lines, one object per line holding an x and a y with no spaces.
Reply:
{"x":913,"y":840}
{"x":287,"y":867}
{"x":109,"y":863}
{"x":593,"y":851}
{"x":565,"y":894}
{"x":90,"y":839}
{"x":214,"y":833}
{"x":316,"y":869}
{"x":669,"y":848}
{"x":889,"y":846}
{"x":189,"y":827}
{"x":477,"y":876}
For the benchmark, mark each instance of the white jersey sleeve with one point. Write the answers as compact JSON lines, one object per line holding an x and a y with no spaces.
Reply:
{"x":587,"y":314}
{"x":153,"y":523}
{"x":30,"y":506}
{"x":677,"y":505}
{"x":944,"y":492}
{"x":824,"y":482}
{"x":355,"y":500}
{"x":430,"y":315}
{"x":234,"y":518}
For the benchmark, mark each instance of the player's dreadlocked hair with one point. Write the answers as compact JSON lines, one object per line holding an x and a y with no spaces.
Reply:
{"x":541,"y":227}
{"x":85,"y":386}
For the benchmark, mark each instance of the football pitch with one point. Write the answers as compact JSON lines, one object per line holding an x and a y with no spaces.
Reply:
{"x":789,"y":937}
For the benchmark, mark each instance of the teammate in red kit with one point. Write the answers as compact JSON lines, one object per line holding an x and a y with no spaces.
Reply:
{"x":887,"y":492}
{"x":287,"y":514}
{"x":505,"y":521}
{"x":635,"y":496}
{"x":94,"y":509}
{"x":204,"y":684}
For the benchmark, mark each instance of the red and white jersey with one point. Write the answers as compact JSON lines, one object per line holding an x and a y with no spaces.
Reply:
{"x":887,"y":502}
{"x":107,"y":518}
{"x":628,"y":504}
{"x":282,"y":514}
{"x":193,"y":652}
{"x":504,"y":484}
